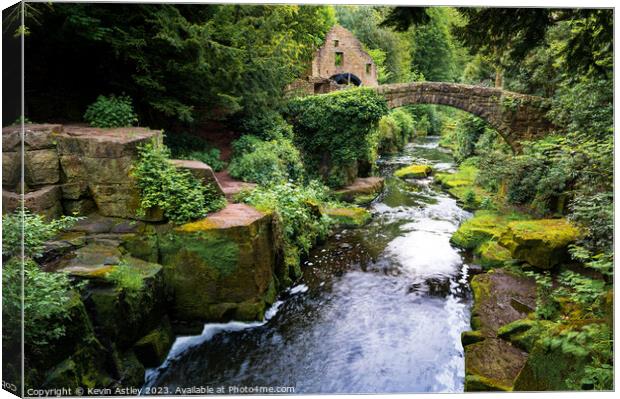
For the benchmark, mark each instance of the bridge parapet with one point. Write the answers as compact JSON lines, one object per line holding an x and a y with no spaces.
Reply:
{"x":517,"y":117}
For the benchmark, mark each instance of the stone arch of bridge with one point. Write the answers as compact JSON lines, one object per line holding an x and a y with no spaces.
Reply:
{"x":516,"y":117}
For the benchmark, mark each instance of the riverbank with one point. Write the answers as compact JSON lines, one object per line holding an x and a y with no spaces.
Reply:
{"x":536,"y":310}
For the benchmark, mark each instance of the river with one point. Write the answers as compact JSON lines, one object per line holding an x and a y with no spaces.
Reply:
{"x":379,"y":309}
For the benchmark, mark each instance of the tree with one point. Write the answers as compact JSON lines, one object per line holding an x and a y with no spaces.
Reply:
{"x":178,"y":62}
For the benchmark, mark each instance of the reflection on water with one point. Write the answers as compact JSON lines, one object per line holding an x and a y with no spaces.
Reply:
{"x":380,"y":309}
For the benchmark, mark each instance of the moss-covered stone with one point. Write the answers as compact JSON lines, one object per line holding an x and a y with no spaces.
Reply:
{"x":492,"y":365}
{"x":471,"y":337}
{"x":129,"y":369}
{"x":550,"y":368}
{"x":226,"y":258}
{"x":464,"y":176}
{"x":484,"y":226}
{"x":362,"y":191}
{"x":85,"y":368}
{"x":126,"y":307}
{"x":490,"y":254}
{"x":348,"y":217}
{"x":542,"y":243}
{"x":152,"y":349}
{"x":495,"y":296}
{"x":525,"y":332}
{"x":414,"y":172}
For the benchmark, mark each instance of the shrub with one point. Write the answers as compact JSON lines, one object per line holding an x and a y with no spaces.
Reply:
{"x":188,"y":146}
{"x":181,"y":196}
{"x":333,"y":131}
{"x":46,"y":299}
{"x":390,"y":136}
{"x":296,"y":209}
{"x":126,"y":278}
{"x":111,"y":111}
{"x":266,"y":125}
{"x":34,"y":230}
{"x":405,"y":122}
{"x":265,"y":162}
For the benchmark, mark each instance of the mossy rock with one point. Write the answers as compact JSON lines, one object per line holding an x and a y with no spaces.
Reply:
{"x":500,"y":297}
{"x":525,"y":332}
{"x":414,"y":172}
{"x":492,"y":365}
{"x":464,"y":176}
{"x":124,"y":311}
{"x":542,"y":243}
{"x":226,"y":258}
{"x":129,"y":369}
{"x":471,"y":337}
{"x":362,"y":191}
{"x":152,"y":349}
{"x":86,"y":368}
{"x":483,"y":226}
{"x":549,"y":369}
{"x":348,"y":217}
{"x":490,"y":254}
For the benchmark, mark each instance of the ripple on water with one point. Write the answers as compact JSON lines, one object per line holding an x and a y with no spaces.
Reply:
{"x":386,"y":323}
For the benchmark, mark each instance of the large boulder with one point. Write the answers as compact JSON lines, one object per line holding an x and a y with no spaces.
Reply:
{"x":362,"y":191}
{"x":348,"y":217}
{"x":44,"y":201}
{"x":200,"y":171}
{"x":220,"y":267}
{"x":126,"y":296}
{"x":542,"y":243}
{"x":97,"y":162}
{"x":414,"y":172}
{"x":492,"y":365}
{"x":483,"y":226}
{"x":36,"y":137}
{"x":11,"y":169}
{"x":500,"y":297}
{"x":41,"y":167}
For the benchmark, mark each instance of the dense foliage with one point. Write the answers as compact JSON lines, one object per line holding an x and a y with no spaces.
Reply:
{"x":395,"y":130}
{"x":334,"y":131}
{"x":111,"y":111}
{"x":176,"y":192}
{"x":178,"y":62}
{"x":43,"y":298}
{"x":298,"y":217}
{"x":30,"y":230}
{"x":189,"y":146}
{"x":266,"y":162}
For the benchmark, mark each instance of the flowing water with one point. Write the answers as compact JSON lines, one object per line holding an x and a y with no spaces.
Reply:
{"x":379,"y":309}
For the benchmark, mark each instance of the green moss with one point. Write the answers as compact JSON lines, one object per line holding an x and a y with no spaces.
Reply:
{"x":152,"y":349}
{"x":525,"y":332}
{"x":348,"y":217}
{"x":542,"y":243}
{"x":549,"y":368}
{"x":217,"y":251}
{"x":414,"y":172}
{"x":484,"y":226}
{"x":471,"y":337}
{"x":212,"y":271}
{"x":491,"y":365}
{"x":464,"y":176}
{"x":490,"y":254}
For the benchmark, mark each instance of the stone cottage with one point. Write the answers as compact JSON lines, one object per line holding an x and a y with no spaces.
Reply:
{"x":340,"y":61}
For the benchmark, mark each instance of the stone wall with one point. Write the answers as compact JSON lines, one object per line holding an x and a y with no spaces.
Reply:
{"x":354,"y":59}
{"x":73,"y":169}
{"x":517,"y":117}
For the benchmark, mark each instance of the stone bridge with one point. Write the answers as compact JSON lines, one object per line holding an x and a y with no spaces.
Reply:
{"x":517,"y":117}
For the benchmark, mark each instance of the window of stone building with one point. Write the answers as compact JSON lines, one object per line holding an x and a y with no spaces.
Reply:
{"x":336,"y":43}
{"x":368,"y":69}
{"x":339,"y":59}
